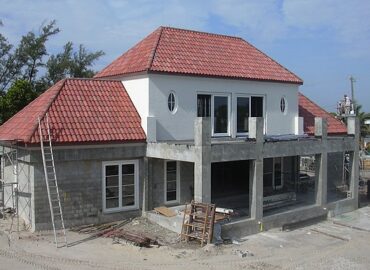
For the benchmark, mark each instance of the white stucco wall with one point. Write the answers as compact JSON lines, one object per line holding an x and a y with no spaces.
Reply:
{"x":138,"y":89}
{"x":179,"y":126}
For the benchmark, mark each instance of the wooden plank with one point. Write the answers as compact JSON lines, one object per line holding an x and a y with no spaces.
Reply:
{"x":163,"y":210}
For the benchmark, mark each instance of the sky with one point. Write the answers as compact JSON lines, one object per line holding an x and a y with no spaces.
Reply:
{"x":324,"y":42}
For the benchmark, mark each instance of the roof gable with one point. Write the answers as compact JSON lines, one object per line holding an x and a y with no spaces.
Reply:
{"x":186,"y":52}
{"x":309,"y":110}
{"x":80,"y":111}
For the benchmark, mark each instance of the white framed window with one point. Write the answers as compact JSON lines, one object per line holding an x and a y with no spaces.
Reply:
{"x":220,"y":115}
{"x":247,"y":106}
{"x":243,"y":111}
{"x":172,"y":102}
{"x":120,"y":185}
{"x":171,"y":181}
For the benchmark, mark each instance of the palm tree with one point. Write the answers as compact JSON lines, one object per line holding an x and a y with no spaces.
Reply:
{"x":362,"y":116}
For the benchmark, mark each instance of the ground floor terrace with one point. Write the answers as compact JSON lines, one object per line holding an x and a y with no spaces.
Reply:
{"x":267,"y":181}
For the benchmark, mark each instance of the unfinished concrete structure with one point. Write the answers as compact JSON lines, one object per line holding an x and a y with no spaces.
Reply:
{"x":154,"y":129}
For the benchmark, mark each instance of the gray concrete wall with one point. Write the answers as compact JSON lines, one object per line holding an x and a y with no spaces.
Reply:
{"x":25,"y":188}
{"x":157,"y":182}
{"x":79,"y":173}
{"x":186,"y":182}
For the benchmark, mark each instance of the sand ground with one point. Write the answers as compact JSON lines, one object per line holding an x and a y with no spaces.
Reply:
{"x":339,"y":243}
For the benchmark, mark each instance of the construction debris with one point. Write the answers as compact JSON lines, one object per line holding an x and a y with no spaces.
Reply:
{"x":98,"y":228}
{"x":114,"y":230}
{"x":163,"y":210}
{"x":137,"y":239}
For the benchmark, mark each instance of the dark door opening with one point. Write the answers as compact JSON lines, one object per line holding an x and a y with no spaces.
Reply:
{"x":230,"y":185}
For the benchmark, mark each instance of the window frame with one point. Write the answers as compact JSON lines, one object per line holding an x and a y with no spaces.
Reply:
{"x":243,"y":134}
{"x":177,"y":200}
{"x":236,"y":114}
{"x":284,"y":100}
{"x":273,"y":173}
{"x":228,"y":96}
{"x":136,"y":185}
{"x":175,"y":102}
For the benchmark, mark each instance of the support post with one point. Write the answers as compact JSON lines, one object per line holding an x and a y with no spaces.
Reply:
{"x":146,"y":186}
{"x":353,"y":128}
{"x":256,"y":129}
{"x":256,"y":170}
{"x":202,"y":163}
{"x":321,"y":162}
{"x":256,"y":189}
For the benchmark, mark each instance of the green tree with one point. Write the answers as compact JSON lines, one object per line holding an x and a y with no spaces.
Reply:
{"x":362,"y":116}
{"x":70,"y":63}
{"x":26,"y":61}
{"x":10,"y":66}
{"x":16,"y":98}
{"x":32,"y":50}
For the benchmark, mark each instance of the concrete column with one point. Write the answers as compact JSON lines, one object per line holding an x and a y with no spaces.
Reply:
{"x":353,"y":128}
{"x":202,"y":162}
{"x":256,"y":189}
{"x":151,"y":129}
{"x":256,"y":169}
{"x":146,"y":187}
{"x":321,"y":128}
{"x":256,"y":128}
{"x":321,"y":162}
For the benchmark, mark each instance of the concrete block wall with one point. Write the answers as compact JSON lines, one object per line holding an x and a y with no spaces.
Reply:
{"x":79,"y":173}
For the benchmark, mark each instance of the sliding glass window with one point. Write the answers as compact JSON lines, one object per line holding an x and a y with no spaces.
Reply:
{"x":221,"y":115}
{"x":242,"y":114}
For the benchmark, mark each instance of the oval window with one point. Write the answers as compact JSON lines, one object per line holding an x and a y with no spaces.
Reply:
{"x":172,"y":102}
{"x":283,"y":105}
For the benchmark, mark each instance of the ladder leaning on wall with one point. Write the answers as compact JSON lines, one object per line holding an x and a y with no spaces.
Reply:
{"x":52,"y":183}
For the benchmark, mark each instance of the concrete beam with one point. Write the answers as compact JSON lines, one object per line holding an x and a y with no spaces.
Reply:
{"x":249,"y":150}
{"x":181,"y":152}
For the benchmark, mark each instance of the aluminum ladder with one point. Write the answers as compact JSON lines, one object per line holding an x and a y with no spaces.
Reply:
{"x":52,"y":183}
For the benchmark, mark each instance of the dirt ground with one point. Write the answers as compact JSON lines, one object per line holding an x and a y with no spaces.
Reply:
{"x":340,"y":243}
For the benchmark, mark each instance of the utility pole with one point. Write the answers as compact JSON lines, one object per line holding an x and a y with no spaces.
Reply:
{"x":353,"y":80}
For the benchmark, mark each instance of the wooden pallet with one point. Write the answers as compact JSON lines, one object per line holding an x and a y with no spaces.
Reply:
{"x":198,"y":222}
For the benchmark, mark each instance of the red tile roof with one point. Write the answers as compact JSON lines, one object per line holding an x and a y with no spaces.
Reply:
{"x":80,"y":111}
{"x":179,"y":51}
{"x":309,"y":110}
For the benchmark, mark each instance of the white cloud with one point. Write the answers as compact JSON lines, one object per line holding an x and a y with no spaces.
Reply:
{"x":112,"y":26}
{"x":261,"y":19}
{"x":347,"y":21}
{"x":115,"y":25}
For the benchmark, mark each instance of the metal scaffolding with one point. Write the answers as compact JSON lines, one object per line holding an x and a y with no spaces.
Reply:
{"x":9,"y":179}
